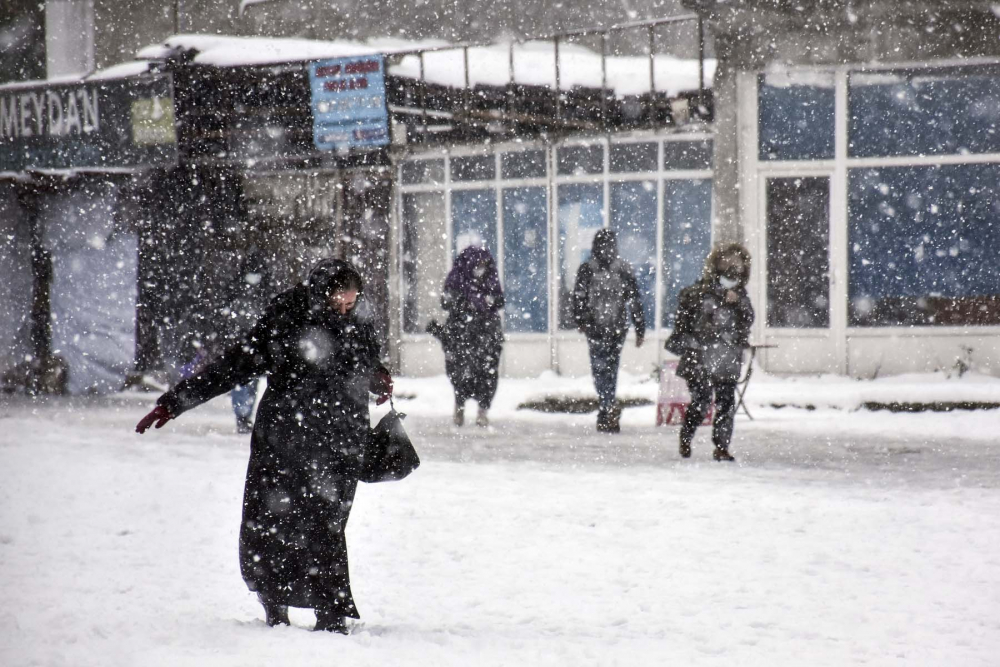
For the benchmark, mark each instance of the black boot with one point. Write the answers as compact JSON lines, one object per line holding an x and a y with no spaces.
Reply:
{"x":608,"y":420}
{"x":331,"y":621}
{"x":721,"y":454}
{"x":274,"y":614}
{"x":685,"y":448}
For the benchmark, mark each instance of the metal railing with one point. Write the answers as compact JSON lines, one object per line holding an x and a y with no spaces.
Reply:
{"x":650,"y":26}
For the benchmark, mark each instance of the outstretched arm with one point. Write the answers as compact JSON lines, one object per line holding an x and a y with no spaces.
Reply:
{"x":239,"y":364}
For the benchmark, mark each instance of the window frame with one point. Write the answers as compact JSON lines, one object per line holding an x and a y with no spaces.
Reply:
{"x":551,"y":182}
{"x":839,"y":168}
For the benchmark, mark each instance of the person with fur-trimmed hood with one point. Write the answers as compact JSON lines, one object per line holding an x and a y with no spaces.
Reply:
{"x":711,"y":331}
{"x":321,"y":358}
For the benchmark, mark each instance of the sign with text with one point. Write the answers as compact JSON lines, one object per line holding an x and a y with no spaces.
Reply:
{"x":348,"y":103}
{"x":111,"y":124}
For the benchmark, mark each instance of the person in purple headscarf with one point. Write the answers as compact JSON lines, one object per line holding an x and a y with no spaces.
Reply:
{"x":473,"y":335}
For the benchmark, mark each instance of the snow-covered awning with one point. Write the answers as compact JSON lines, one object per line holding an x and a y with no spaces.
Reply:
{"x":534,"y":63}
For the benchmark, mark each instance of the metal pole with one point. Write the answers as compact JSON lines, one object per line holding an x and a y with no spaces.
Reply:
{"x":423,"y":95}
{"x":510,"y":72}
{"x":604,"y":80}
{"x":555,"y":42}
{"x":701,"y":64}
{"x":652,"y":68}
{"x":467,"y":91}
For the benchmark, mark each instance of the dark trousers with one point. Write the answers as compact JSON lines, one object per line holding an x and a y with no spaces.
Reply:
{"x":605,"y":357}
{"x":725,"y":410}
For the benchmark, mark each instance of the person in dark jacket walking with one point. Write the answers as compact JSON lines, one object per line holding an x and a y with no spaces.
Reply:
{"x":473,"y":336}
{"x":247,"y":301}
{"x":712,"y":329}
{"x":307,"y":446}
{"x":605,"y":287}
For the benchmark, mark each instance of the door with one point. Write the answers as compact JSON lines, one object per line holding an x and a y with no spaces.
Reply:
{"x":800,"y":287}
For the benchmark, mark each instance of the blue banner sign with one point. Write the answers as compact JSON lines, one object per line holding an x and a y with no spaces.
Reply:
{"x":348,"y":103}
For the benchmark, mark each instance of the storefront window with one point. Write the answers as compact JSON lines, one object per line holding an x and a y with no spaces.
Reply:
{"x":473,"y":168}
{"x":424,"y":258}
{"x":523,"y":164}
{"x":633,"y":217}
{"x":581,"y":214}
{"x":683,"y":155}
{"x":633,"y":157}
{"x":525,"y":247}
{"x":923,"y":245}
{"x":687,"y":234}
{"x":907,"y":113}
{"x":474,"y":219}
{"x":578,"y":160}
{"x":798,"y":252}
{"x":414,"y":172}
{"x":796,"y":116}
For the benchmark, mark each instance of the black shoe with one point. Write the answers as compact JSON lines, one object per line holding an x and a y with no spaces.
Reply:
{"x":722,"y":455}
{"x":330,"y":621}
{"x":685,"y":450}
{"x":609,"y":421}
{"x":275,"y":614}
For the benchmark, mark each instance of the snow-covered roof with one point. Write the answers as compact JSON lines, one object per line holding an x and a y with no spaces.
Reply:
{"x":534,"y":62}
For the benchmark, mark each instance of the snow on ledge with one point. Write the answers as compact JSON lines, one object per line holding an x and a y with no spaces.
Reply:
{"x":534,"y":62}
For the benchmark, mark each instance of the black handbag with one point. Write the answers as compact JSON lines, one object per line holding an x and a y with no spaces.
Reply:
{"x":389,"y":454}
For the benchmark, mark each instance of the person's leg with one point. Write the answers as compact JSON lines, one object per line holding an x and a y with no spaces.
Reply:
{"x":243,"y":398}
{"x":722,"y":425}
{"x":487,"y":385}
{"x":701,"y":399}
{"x":604,"y":379}
{"x":274,"y":614}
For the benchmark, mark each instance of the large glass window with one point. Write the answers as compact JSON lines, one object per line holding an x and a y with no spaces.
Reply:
{"x":525,"y":247}
{"x":422,"y":171}
{"x":796,"y":116}
{"x":931,"y":113}
{"x":474,"y":219}
{"x":798,"y":252}
{"x":687,"y":236}
{"x":581,"y":214}
{"x":923,"y":245}
{"x":523,"y":164}
{"x":680,"y":155}
{"x":633,"y":157}
{"x":424,"y":258}
{"x":473,"y":168}
{"x":633,"y":217}
{"x":576,"y":160}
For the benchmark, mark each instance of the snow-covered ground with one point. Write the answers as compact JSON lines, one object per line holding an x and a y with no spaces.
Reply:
{"x":838,"y":538}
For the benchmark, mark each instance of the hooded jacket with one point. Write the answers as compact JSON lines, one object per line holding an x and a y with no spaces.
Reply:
{"x":602,"y":315}
{"x":710,"y":333}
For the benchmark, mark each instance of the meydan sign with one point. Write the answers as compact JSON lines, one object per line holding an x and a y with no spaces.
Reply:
{"x":108,"y":124}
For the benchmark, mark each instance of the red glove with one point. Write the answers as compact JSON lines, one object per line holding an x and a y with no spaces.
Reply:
{"x":381,"y":386}
{"x":160,"y":415}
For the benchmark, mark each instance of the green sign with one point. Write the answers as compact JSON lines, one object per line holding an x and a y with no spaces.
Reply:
{"x":112,"y":124}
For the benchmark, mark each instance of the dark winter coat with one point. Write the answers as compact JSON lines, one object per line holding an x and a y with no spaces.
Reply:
{"x":473,"y":334}
{"x":306,"y":450}
{"x":603,"y":316}
{"x":710,"y":334}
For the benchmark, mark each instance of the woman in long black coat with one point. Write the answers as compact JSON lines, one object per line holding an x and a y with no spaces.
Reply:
{"x":307,"y":444}
{"x":473,"y":334}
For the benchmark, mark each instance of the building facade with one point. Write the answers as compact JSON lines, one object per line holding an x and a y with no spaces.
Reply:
{"x":856,"y":156}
